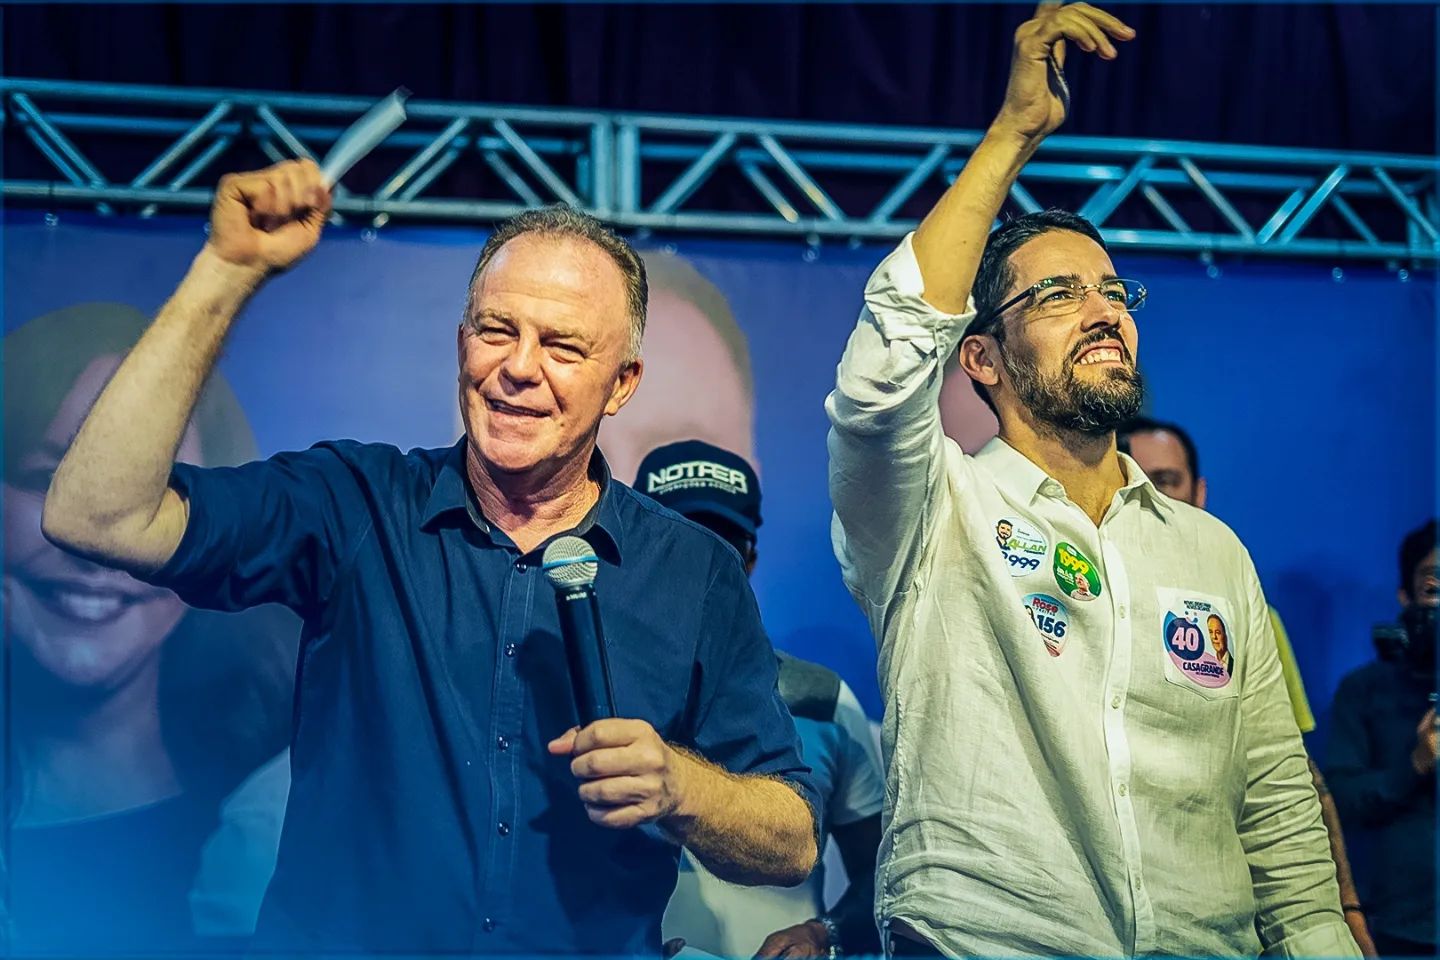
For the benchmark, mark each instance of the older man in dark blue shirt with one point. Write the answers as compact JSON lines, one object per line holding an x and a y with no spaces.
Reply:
{"x":444,"y":796}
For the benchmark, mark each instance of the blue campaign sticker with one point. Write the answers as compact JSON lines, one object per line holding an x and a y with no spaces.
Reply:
{"x":1051,"y":620}
{"x":1021,"y":544}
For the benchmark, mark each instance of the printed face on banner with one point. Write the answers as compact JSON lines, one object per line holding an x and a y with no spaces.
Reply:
{"x":697,"y":375}
{"x":88,"y":626}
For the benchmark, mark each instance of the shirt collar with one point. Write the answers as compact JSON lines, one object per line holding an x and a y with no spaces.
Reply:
{"x":451,"y":494}
{"x":1015,"y":471}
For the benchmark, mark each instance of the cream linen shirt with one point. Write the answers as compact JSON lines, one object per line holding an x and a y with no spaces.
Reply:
{"x":1088,"y":747}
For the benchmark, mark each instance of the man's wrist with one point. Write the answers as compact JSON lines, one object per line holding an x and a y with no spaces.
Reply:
{"x":216,"y":272}
{"x":829,"y":933}
{"x":1005,"y":134}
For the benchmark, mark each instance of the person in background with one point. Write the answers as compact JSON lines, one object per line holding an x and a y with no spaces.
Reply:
{"x":1380,"y":760}
{"x":719,"y":490}
{"x":1168,"y":455}
{"x":138,"y":724}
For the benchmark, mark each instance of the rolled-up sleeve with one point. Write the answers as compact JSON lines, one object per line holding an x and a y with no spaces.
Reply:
{"x":886,"y":445}
{"x":272,"y":531}
{"x":1297,"y":902}
{"x":741,"y":723}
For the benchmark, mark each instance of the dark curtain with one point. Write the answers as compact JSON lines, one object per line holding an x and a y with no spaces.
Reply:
{"x":1340,"y":76}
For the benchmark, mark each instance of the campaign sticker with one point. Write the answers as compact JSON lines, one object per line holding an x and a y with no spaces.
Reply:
{"x":1051,"y":619}
{"x":1022,"y":546}
{"x":1075,"y":574}
{"x":1197,"y":640}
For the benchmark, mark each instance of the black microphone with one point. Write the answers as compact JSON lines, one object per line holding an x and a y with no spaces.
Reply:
{"x":570,"y":565}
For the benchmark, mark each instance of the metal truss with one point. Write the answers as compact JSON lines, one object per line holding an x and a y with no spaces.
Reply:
{"x":134,"y":150}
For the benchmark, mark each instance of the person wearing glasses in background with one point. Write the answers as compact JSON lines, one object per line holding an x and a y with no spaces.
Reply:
{"x":1067,"y":763}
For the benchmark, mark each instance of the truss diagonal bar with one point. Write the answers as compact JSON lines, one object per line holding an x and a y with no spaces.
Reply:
{"x":1278,"y":218}
{"x":1216,"y":198}
{"x":1313,"y":204}
{"x":44,"y":128}
{"x":1024,"y":198}
{"x":191,"y":171}
{"x":427,"y":177}
{"x":417,"y":186}
{"x":1351,"y":217}
{"x":536,"y":164}
{"x":194,"y":135}
{"x":512,"y":179}
{"x":1167,"y":212}
{"x":283,"y":133}
{"x":906,"y":188}
{"x":694,"y":175}
{"x":1405,"y":203}
{"x":422,"y":159}
{"x":770,"y":192}
{"x":800,"y":178}
{"x":1098,"y":210}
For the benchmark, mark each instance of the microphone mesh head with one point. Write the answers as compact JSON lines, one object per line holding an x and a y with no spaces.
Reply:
{"x":570,"y":562}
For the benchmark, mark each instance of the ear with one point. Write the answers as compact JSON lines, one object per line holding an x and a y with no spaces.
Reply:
{"x":1200,"y":493}
{"x":625,"y":386}
{"x":1403,"y":596}
{"x":979,"y":358}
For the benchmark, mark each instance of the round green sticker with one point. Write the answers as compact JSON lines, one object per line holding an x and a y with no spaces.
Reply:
{"x":1075,"y":574}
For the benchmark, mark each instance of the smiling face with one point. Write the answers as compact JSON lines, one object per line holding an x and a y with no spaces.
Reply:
{"x":544,"y":355}
{"x":1218,"y":639}
{"x":1074,"y":371}
{"x":91,"y":628}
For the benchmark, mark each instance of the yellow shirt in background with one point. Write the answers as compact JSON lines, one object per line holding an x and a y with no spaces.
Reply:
{"x":1299,"y":705}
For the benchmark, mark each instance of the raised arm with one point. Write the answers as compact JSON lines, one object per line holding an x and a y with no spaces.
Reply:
{"x":950,"y":239}
{"x":886,"y":445}
{"x":110,"y":498}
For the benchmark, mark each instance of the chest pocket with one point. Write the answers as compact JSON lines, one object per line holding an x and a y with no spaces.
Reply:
{"x":1195,"y":635}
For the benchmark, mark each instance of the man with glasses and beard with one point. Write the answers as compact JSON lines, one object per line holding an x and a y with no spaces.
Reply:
{"x":1063,"y":781}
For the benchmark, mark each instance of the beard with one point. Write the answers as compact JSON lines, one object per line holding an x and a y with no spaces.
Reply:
{"x":1066,"y":404}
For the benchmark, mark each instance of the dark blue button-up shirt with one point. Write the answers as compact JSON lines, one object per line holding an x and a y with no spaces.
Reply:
{"x":425,"y":814}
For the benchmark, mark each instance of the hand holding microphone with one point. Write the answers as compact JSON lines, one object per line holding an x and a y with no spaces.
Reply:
{"x":630,"y":776}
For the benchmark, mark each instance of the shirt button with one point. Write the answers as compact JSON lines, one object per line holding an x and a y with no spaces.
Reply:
{"x":502,"y":743}
{"x":509,"y":649}
{"x":488,"y":925}
{"x":1122,"y":790}
{"x":1122,"y":611}
{"x":521,"y":566}
{"x":1115,"y":702}
{"x":1136,"y":883}
{"x":503,"y":828}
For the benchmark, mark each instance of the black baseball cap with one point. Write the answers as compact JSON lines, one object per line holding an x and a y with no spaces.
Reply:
{"x":693,"y":477}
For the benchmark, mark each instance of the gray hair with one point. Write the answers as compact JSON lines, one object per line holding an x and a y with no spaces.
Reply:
{"x":560,"y":220}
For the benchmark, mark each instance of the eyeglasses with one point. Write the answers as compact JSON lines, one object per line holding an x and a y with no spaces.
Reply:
{"x":1059,"y":296}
